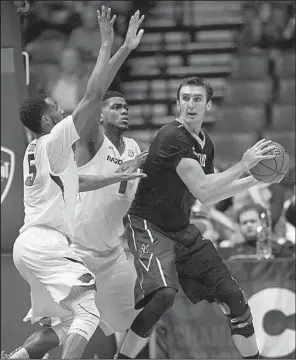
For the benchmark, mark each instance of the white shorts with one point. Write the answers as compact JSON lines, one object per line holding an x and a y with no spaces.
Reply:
{"x":52,"y":268}
{"x":115,"y":278}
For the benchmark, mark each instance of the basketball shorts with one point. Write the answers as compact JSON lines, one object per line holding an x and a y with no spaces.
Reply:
{"x":167,"y":259}
{"x":53,"y":270}
{"x":115,"y":279}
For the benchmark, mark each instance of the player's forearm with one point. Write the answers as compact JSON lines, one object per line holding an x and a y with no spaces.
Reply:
{"x":230,"y":190}
{"x":115,"y":63}
{"x":96,"y":85}
{"x":95,"y":182}
{"x":214,"y":182}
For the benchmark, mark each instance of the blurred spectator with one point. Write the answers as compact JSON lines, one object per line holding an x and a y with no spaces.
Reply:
{"x":86,"y":38}
{"x":270,"y":196}
{"x":289,"y":32}
{"x":250,"y":34}
{"x":290,"y":210}
{"x":243,"y":244}
{"x":61,"y":16}
{"x":69,"y":85}
{"x":213,"y":224}
{"x":205,"y":225}
{"x":267,"y":25}
{"x":290,"y":215}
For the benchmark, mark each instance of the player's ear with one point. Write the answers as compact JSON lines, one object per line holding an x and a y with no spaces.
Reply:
{"x":45,"y":119}
{"x":178,"y":105}
{"x":209,"y":105}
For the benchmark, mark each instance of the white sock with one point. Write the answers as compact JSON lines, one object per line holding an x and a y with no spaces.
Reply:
{"x":132,"y":344}
{"x":20,"y":353}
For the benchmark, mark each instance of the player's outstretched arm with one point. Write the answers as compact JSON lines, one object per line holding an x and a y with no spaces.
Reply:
{"x":95,"y":182}
{"x":85,"y":114}
{"x":132,"y":40}
{"x":203,"y":186}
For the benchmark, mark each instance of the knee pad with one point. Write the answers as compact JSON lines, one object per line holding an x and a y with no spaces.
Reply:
{"x":86,"y":317}
{"x":238,"y":312}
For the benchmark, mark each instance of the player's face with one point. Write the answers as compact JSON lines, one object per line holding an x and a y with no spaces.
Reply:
{"x":192,"y":104}
{"x":115,"y":113}
{"x":54,"y":112}
{"x":249,"y":221}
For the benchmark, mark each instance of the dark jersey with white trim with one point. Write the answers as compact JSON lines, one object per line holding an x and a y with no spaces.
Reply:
{"x":162,"y":198}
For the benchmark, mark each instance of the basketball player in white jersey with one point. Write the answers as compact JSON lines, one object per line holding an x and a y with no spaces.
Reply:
{"x":61,"y":284}
{"x":99,"y":214}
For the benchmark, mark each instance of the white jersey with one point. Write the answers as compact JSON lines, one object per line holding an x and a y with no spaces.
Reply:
{"x":99,"y":213}
{"x":51,"y":180}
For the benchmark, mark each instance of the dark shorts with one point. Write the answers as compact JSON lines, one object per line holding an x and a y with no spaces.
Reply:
{"x":167,"y":259}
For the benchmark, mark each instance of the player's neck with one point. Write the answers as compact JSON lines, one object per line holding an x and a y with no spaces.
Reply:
{"x":116,"y":138}
{"x":40,"y":135}
{"x":193,"y":129}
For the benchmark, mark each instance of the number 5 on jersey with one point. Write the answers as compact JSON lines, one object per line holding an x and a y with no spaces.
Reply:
{"x":32,"y":171}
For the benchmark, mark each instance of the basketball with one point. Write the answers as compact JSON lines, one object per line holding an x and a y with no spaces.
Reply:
{"x":272,"y":169}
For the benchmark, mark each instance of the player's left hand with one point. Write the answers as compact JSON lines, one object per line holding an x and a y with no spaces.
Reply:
{"x":133,"y":165}
{"x":126,"y":176}
{"x":132,"y":38}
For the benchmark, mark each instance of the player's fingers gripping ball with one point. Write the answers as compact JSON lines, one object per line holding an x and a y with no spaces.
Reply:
{"x":272,"y":170}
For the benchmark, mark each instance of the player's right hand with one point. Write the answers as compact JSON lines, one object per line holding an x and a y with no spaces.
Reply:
{"x":106,"y":25}
{"x":257,"y":153}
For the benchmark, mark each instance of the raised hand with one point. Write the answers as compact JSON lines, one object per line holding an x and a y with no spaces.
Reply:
{"x":132,"y":38}
{"x":106,"y":25}
{"x":257,"y":153}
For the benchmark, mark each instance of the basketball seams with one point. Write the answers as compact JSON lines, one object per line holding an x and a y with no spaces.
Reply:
{"x":279,"y":166}
{"x":283,"y":158}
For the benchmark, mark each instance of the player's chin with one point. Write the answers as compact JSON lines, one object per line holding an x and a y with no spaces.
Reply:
{"x":123,"y":126}
{"x":194,"y":119}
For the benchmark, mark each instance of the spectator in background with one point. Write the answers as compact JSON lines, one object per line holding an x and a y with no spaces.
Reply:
{"x":249,"y":36}
{"x":243,"y":244}
{"x":290,"y":215}
{"x":205,"y":225}
{"x":61,"y":16}
{"x":289,"y":33}
{"x":267,"y":25}
{"x":68,"y":88}
{"x":290,"y":212}
{"x":85,"y":38}
{"x":269,"y":196}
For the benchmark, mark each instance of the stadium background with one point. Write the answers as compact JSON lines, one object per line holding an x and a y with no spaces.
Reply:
{"x":254,"y":85}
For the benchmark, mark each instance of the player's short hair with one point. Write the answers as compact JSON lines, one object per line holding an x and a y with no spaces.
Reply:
{"x":31,"y":112}
{"x":111,"y":94}
{"x":249,"y":207}
{"x":197,"y":81}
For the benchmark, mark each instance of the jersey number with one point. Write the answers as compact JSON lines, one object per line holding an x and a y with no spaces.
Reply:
{"x":122,"y":187}
{"x":32,"y":171}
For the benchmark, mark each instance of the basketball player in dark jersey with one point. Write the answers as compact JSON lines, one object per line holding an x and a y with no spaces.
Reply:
{"x":167,"y":249}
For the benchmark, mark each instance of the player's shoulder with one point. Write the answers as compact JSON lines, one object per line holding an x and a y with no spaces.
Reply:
{"x":130,"y":141}
{"x":66,"y":121}
{"x":173,"y":131}
{"x":132,"y":144}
